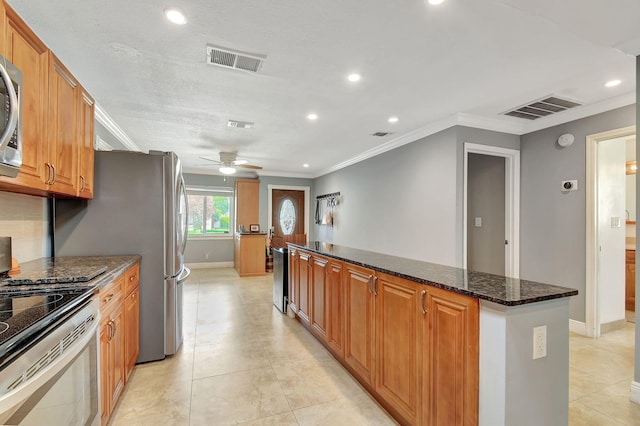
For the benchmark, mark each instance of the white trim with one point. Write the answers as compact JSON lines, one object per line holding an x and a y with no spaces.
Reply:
{"x":307,"y":194}
{"x":209,"y":265}
{"x":592,"y":316}
{"x":634,"y":392}
{"x":105,"y":120}
{"x":512,"y":203}
{"x":399,"y":141}
{"x":497,"y":123}
{"x":101,"y":145}
{"x":578,"y":327}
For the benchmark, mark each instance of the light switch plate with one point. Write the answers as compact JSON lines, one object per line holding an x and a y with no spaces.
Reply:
{"x":478,"y":222}
{"x":616,"y":222}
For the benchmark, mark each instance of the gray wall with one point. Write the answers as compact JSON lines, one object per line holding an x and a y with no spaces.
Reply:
{"x":108,"y":137}
{"x":221,"y":249}
{"x":406,"y":202}
{"x":553,"y":223}
{"x":485,"y":199}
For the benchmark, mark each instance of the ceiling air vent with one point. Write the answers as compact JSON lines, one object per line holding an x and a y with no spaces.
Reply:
{"x":234,"y":59}
{"x":381,"y":134}
{"x":240,"y":124}
{"x":542,"y":108}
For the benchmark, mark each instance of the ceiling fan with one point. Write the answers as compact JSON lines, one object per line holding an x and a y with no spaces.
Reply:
{"x":228,"y":163}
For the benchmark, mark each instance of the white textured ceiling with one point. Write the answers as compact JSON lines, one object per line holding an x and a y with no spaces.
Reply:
{"x":465,"y":61}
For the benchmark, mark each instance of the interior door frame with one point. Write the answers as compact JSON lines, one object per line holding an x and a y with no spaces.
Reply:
{"x":592,"y":313}
{"x":511,"y":203}
{"x":307,"y":194}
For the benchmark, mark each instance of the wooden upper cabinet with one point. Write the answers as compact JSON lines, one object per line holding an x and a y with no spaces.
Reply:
{"x":86,"y":137}
{"x":25,"y":50}
{"x":57,"y":118}
{"x":247,"y":198}
{"x":64,"y":94}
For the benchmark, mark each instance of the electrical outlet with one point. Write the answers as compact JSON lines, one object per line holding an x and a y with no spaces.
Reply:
{"x":539,"y":342}
{"x":206,"y":256}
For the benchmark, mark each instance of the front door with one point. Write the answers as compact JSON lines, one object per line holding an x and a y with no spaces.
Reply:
{"x":287,"y":217}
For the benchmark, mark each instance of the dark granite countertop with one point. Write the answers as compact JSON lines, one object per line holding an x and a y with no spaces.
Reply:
{"x":494,"y":288}
{"x":68,"y":272}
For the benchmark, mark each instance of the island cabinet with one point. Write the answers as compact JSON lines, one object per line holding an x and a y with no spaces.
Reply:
{"x":399,"y":345}
{"x":414,"y":347}
{"x":359,"y":321}
{"x":450,"y":351}
{"x":119,"y":336}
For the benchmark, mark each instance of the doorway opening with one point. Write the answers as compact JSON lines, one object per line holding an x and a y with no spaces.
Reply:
{"x":288,"y":208}
{"x":509,"y":219}
{"x":606,"y":233}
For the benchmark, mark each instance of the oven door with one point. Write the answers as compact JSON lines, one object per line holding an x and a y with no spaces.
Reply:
{"x":57,"y":385}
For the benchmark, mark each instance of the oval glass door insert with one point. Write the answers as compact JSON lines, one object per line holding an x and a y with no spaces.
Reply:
{"x":287,"y":217}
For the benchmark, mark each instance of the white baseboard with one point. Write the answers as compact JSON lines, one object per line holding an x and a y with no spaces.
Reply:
{"x":209,"y":265}
{"x":634,"y":392}
{"x":578,"y":327}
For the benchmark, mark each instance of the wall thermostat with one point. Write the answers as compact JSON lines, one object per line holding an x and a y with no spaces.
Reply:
{"x":569,"y":185}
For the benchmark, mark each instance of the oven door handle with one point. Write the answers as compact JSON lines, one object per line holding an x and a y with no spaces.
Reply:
{"x":13,"y":109}
{"x":22,"y":393}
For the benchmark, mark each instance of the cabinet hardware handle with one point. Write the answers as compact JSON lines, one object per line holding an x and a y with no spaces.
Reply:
{"x":49,"y":174}
{"x":82,"y":186}
{"x":369,"y":282}
{"x":54,"y":174}
{"x":109,"y":297}
{"x":132,"y":277}
{"x":115,"y":329}
{"x":375,"y":285}
{"x":424,"y":293}
{"x":110,"y":324}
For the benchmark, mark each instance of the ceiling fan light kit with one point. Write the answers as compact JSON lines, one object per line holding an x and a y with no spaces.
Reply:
{"x":227,"y":170}
{"x":229,"y":163}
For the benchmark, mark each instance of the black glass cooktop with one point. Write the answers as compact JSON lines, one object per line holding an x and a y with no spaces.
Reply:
{"x":26,"y":315}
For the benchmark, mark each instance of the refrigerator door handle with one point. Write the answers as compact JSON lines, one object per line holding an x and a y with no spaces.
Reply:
{"x":183,"y":275}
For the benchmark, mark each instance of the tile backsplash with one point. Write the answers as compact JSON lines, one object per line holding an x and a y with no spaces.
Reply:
{"x":24,"y":219}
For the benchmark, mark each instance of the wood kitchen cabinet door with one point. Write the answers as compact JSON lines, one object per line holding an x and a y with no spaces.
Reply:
{"x":335,"y":302}
{"x":359,"y":322}
{"x":294,"y":280}
{"x":304,"y":280}
{"x":112,"y":366}
{"x":450,"y":359}
{"x":25,"y":50}
{"x":85,"y":140}
{"x":63,"y":132}
{"x":399,"y":345}
{"x":319,"y":302}
{"x":131,"y":331}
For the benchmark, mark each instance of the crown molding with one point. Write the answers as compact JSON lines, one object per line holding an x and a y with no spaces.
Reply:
{"x":101,"y":145}
{"x":107,"y":122}
{"x":399,"y":141}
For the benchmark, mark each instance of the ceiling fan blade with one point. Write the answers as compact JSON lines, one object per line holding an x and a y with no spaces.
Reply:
{"x":209,"y":159}
{"x":249,"y":166}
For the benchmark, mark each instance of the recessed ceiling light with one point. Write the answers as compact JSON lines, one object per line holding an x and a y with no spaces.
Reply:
{"x":436,"y":2}
{"x":354,"y":77}
{"x":393,"y":119}
{"x":305,"y":165}
{"x":613,"y":83}
{"x":175,"y":15}
{"x":312,"y":116}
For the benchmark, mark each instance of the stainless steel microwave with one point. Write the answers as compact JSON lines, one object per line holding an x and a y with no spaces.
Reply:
{"x":10,"y":119}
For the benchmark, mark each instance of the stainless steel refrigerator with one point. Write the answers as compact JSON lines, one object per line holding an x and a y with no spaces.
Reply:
{"x":139,"y":207}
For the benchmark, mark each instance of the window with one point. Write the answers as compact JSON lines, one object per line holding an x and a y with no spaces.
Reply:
{"x":210,"y":212}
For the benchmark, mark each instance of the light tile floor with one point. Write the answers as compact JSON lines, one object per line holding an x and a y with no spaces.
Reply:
{"x":243,"y":362}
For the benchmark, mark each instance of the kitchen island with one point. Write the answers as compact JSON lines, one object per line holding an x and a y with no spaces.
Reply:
{"x":436,"y":344}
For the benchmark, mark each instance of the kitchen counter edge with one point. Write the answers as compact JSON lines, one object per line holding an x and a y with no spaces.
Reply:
{"x":494,"y":288}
